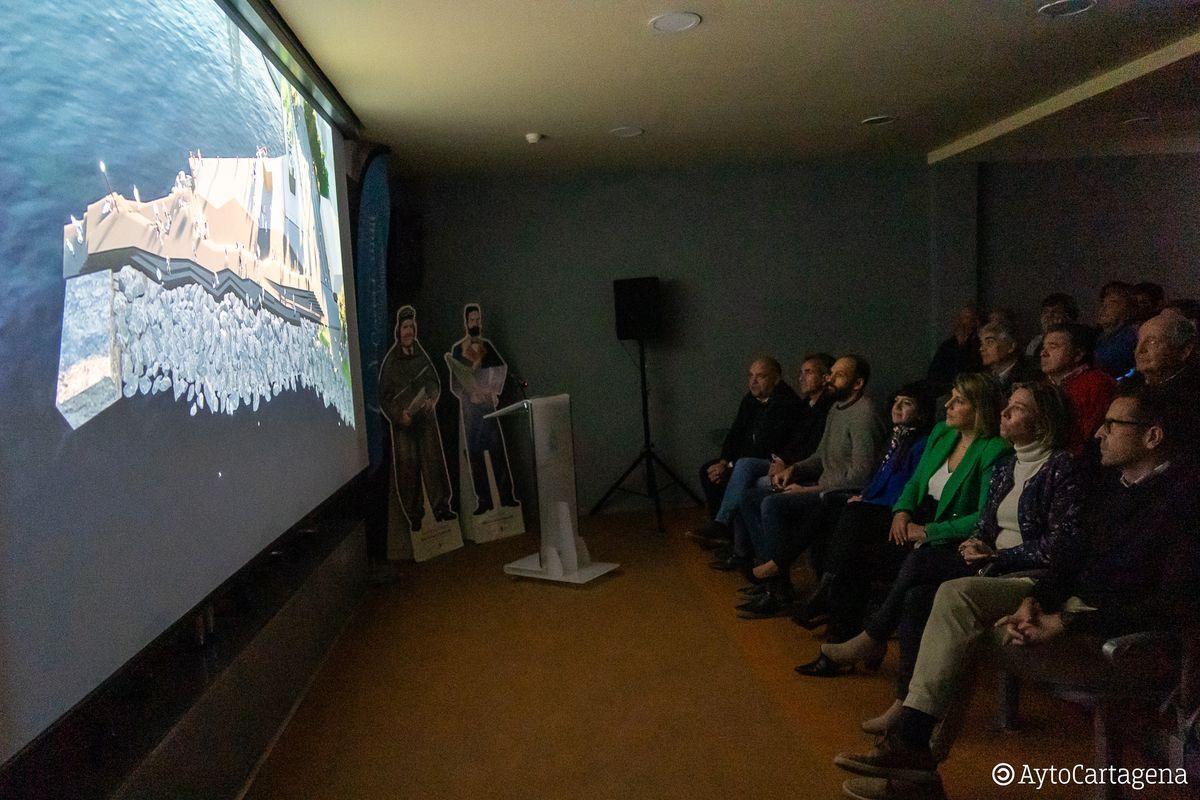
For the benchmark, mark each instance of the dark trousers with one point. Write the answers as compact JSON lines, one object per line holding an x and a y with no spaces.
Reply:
{"x":857,"y":555}
{"x":906,"y":608}
{"x":810,"y":532}
{"x":419,"y":460}
{"x":483,"y":435}
{"x":714,"y":493}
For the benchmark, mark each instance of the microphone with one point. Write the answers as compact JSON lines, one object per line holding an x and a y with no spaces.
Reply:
{"x":521,"y":383}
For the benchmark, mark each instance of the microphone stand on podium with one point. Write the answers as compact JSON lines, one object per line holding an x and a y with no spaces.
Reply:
{"x":563,"y":556}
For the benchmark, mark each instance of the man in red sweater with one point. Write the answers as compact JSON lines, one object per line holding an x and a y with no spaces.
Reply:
{"x":1066,"y":362}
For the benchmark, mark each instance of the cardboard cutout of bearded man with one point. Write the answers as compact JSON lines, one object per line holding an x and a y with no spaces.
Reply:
{"x":409,"y":389}
{"x":477,"y":376}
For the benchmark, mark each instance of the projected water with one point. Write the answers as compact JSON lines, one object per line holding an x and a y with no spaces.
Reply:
{"x":175,"y":379}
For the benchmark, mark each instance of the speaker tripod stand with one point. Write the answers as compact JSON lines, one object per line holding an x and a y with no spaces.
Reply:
{"x":647,"y":458}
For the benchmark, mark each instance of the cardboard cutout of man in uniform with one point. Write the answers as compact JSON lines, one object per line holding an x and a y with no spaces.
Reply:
{"x":477,"y":375}
{"x":409,"y":389}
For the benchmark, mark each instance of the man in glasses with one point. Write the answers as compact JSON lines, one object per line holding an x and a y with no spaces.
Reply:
{"x":1135,"y":568}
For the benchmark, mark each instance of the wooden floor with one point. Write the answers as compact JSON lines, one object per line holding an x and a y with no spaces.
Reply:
{"x":459,"y":682}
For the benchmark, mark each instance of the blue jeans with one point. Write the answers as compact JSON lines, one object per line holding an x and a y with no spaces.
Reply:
{"x":767,"y":514}
{"x":747,"y":473}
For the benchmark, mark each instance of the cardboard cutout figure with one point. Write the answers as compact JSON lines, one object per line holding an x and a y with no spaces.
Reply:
{"x":409,"y":389}
{"x":477,"y":375}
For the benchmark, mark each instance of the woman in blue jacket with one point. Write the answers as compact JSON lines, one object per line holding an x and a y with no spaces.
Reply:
{"x":870,"y":512}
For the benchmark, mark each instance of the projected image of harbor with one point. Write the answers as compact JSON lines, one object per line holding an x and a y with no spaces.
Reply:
{"x":177,"y":350}
{"x":224,"y":288}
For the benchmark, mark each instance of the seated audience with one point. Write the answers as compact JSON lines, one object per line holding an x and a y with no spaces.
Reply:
{"x":1164,"y":349}
{"x":1117,"y":336}
{"x":816,"y":398}
{"x":1030,"y":519}
{"x":1057,"y":308}
{"x":959,"y":353}
{"x":1165,"y":358}
{"x":1000,"y":356}
{"x":938,"y":508}
{"x":1066,"y":363}
{"x":766,"y":420}
{"x":1146,"y":301}
{"x":868,"y":516}
{"x":1135,"y":568}
{"x":783,"y":522}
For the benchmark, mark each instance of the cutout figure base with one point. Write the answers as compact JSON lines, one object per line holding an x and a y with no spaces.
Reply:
{"x":499,"y":523}
{"x":531,"y":567}
{"x":432,"y":540}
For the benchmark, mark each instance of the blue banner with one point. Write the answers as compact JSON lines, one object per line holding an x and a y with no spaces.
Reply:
{"x":370,"y":272}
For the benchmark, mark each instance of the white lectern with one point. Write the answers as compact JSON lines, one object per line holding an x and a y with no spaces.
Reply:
{"x":563,"y":556}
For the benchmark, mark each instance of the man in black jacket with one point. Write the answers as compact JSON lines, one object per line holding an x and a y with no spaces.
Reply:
{"x":816,"y":397}
{"x":766,"y":421}
{"x":1135,"y":569}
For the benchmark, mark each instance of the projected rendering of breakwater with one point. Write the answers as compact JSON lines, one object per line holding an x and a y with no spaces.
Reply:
{"x":220,"y":292}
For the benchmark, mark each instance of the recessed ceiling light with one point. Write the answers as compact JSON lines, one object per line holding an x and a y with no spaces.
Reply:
{"x":534,"y":138}
{"x":675,"y":22}
{"x":1065,"y":8}
{"x":878,"y":119}
{"x":627,"y":131}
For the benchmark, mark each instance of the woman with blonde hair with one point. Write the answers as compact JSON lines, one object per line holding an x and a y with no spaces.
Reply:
{"x":938,"y":508}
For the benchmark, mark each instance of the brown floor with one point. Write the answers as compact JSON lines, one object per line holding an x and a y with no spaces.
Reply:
{"x":460,"y":682}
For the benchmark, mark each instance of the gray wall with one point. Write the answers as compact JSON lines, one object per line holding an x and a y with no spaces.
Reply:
{"x":779,"y":259}
{"x":1073,"y":225}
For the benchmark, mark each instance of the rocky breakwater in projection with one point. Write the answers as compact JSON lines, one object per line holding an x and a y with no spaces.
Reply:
{"x":222,"y":293}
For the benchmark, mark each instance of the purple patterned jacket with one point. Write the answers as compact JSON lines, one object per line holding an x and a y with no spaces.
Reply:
{"x":1048,"y":512}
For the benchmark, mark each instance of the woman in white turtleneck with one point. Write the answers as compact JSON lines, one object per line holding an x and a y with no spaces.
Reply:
{"x":1017,"y":528}
{"x":1031,"y":512}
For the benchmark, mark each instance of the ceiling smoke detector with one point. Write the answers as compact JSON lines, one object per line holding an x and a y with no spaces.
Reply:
{"x":878,"y":119}
{"x":675,"y":21}
{"x":1065,"y":8}
{"x":627,"y":131}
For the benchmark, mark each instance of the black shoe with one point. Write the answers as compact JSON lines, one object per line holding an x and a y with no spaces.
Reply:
{"x":809,"y":623}
{"x":712,"y":534}
{"x":752,"y":590}
{"x":444,"y":514}
{"x":510,"y":503}
{"x":765,"y":606}
{"x":481,"y":509}
{"x":733,"y":562}
{"x":824,"y":667}
{"x":723,"y":552}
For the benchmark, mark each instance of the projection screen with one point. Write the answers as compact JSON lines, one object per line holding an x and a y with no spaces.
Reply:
{"x":178,"y":372}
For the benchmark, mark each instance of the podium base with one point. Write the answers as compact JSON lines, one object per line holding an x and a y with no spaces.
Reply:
{"x":530,"y":567}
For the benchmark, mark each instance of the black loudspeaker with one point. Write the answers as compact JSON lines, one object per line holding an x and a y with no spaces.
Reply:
{"x":638,"y":303}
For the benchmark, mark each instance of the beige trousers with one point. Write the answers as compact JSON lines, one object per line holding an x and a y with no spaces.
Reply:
{"x":964,"y":612}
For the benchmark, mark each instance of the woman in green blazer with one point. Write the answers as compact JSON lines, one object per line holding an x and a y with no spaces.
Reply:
{"x":938,"y":508}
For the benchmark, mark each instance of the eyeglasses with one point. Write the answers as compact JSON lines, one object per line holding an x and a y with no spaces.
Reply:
{"x":1108,"y":423}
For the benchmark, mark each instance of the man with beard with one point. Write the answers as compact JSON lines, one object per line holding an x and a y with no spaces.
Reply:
{"x":477,"y":375}
{"x":409,"y":389}
{"x":807,"y":496}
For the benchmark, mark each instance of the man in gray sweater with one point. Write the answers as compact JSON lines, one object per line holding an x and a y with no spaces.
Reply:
{"x":804,"y":497}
